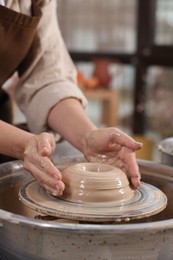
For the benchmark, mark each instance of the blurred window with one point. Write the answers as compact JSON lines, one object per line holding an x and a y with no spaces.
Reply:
{"x":98,"y":25}
{"x":159,"y":105}
{"x":164,"y":22}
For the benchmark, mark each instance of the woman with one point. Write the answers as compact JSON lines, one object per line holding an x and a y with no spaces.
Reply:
{"x":47,"y":91}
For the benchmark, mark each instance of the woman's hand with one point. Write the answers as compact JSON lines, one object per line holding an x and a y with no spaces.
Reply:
{"x":112,"y":146}
{"x":37,"y":160}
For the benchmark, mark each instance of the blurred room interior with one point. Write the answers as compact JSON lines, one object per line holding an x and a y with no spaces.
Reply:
{"x":123,"y":51}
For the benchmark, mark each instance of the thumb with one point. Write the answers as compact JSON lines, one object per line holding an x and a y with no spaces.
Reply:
{"x":46,"y":144}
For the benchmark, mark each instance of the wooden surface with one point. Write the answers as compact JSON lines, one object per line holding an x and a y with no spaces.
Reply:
{"x":109,"y":100}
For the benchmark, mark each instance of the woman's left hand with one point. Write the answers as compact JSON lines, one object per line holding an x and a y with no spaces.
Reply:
{"x":112,"y":146}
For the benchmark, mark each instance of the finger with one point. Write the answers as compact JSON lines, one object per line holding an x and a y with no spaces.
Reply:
{"x":49,"y":182}
{"x":49,"y":168}
{"x":60,"y":187}
{"x":46,"y":144}
{"x":55,"y":191}
{"x":43,"y":164}
{"x":32,"y":153}
{"x":133,"y":176}
{"x":132,"y":168}
{"x":122,"y":139}
{"x":128,"y":158}
{"x":135,"y":182}
{"x":111,"y":139}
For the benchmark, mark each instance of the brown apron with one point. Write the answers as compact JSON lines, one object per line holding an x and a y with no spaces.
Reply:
{"x":17,"y":32}
{"x":17,"y":35}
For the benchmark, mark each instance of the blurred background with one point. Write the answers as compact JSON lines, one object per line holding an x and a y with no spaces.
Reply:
{"x":123,"y":51}
{"x":133,"y":41}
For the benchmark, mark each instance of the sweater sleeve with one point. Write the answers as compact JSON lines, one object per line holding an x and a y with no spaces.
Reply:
{"x":51,"y":74}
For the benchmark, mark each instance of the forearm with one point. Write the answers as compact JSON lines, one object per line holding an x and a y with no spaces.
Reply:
{"x":13,"y":140}
{"x":69,"y":119}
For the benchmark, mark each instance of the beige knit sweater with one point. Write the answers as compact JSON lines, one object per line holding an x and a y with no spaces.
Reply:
{"x":52,"y":75}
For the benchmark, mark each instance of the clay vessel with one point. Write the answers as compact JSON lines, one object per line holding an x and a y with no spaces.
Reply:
{"x":89,"y":183}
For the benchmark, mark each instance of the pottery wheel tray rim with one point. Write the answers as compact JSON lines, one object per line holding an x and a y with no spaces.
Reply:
{"x":77,"y":211}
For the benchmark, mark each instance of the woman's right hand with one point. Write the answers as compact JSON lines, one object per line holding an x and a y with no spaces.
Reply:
{"x":37,"y":160}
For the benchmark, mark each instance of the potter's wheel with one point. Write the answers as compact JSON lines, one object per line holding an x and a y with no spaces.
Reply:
{"x":147,"y":201}
{"x":144,"y":202}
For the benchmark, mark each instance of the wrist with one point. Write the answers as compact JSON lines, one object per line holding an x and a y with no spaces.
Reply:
{"x":85,"y":140}
{"x":25,"y":142}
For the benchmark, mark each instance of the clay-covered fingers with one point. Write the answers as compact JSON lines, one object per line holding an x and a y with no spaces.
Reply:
{"x":37,"y":160}
{"x":46,"y":144}
{"x":46,"y":174}
{"x":124,"y":159}
{"x":122,"y":139}
{"x":130,"y":166}
{"x":111,"y":139}
{"x":51,"y":178}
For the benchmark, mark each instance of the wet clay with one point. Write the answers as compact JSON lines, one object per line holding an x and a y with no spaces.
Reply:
{"x":90,"y":183}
